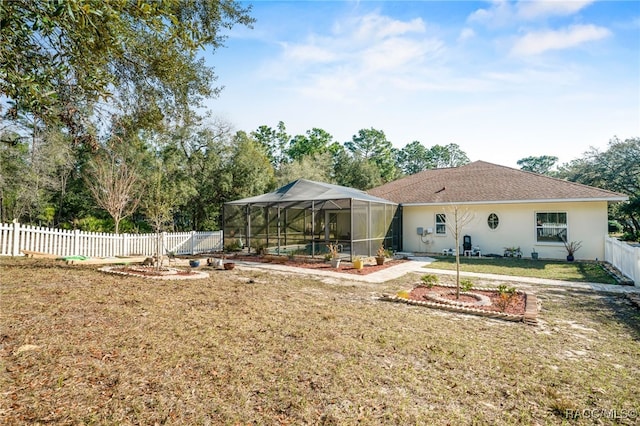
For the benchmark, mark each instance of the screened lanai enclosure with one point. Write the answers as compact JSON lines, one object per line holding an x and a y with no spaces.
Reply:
{"x":304,"y":216}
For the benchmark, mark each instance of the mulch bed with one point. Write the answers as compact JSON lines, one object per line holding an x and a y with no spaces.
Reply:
{"x":345,"y":267}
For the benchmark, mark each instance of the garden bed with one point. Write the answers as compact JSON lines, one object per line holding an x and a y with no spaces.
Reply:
{"x":151,"y":272}
{"x":486,"y":302}
{"x":317,"y":264}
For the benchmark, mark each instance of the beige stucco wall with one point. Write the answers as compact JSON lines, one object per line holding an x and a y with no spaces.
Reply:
{"x":586,"y":222}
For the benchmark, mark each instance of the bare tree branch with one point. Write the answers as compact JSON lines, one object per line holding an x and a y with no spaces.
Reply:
{"x":114,"y":184}
{"x":456,"y":219}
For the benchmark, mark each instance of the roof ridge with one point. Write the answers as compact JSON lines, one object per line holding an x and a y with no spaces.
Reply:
{"x":411,"y":183}
{"x":540,"y":175}
{"x":485,"y":181}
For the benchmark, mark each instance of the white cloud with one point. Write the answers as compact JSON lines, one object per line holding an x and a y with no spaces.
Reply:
{"x":308,"y":53}
{"x":466,"y":34}
{"x":358,"y":52}
{"x":376,"y":27}
{"x":503,"y":13}
{"x":538,"y":42}
{"x":543,"y":8}
{"x":499,"y":14}
{"x":396,"y":54}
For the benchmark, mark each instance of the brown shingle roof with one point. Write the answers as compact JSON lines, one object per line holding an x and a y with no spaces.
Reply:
{"x":480,"y":182}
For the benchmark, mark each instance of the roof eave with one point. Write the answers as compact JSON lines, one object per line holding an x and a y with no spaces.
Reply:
{"x":555,"y":200}
{"x":272,"y":203}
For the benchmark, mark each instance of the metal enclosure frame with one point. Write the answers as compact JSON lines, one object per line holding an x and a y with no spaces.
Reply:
{"x":305,"y":216}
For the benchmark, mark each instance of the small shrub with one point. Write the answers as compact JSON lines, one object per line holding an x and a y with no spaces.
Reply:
{"x":631,"y":236}
{"x":261,"y":250}
{"x":466,"y":285}
{"x":333,"y":250}
{"x":506,"y":295}
{"x":94,"y":224}
{"x":505,"y":289}
{"x":382,"y":252}
{"x":429,"y":280}
{"x":614,"y":227}
{"x":233,"y":245}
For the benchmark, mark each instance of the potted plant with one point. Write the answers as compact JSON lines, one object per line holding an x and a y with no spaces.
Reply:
{"x":358,"y":262}
{"x":512,"y":252}
{"x":333,"y":255}
{"x":381,"y":254}
{"x":534,"y":254}
{"x":571,"y":248}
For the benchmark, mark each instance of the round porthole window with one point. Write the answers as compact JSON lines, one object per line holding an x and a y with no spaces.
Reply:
{"x":493,"y":221}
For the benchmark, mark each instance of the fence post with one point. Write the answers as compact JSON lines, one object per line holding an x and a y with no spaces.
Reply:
{"x":76,"y":242}
{"x":15,"y":249}
{"x":636,"y":278}
{"x":124,"y":247}
{"x":193,"y":246}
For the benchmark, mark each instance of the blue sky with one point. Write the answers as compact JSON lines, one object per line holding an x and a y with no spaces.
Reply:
{"x":502,"y":79}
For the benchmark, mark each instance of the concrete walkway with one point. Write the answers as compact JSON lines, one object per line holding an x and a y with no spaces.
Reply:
{"x":417,"y":265}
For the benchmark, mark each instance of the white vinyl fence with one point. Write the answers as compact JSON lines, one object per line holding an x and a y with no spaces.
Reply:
{"x":624,"y":257}
{"x":15,"y":237}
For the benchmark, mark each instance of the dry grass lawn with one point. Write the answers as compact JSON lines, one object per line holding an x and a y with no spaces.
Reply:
{"x":245,"y":347}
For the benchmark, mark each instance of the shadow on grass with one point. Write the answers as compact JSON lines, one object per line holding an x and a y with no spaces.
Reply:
{"x":609,"y":308}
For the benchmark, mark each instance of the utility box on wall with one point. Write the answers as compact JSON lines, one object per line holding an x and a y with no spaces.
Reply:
{"x":420,"y":231}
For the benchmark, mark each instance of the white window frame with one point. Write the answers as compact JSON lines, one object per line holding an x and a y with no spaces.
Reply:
{"x":548,"y":230}
{"x":441,"y":226}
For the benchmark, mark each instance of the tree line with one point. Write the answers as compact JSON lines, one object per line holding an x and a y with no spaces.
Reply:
{"x":104,"y":129}
{"x":181,"y":176}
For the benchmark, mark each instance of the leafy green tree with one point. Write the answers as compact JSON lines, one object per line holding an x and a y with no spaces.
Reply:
{"x":616,"y":169}
{"x":32,"y":172}
{"x":316,"y":167}
{"x":364,"y":175}
{"x":248,"y":171}
{"x":450,"y":155}
{"x":414,"y":158}
{"x":61,"y":57}
{"x":355,"y":172}
{"x":541,"y":165}
{"x":198,"y":150}
{"x":71,"y":68}
{"x":275,"y":143}
{"x":316,"y":141}
{"x":13,"y":164}
{"x":372,"y":145}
